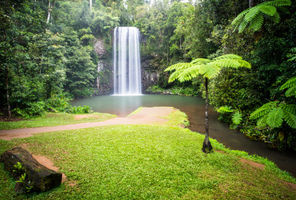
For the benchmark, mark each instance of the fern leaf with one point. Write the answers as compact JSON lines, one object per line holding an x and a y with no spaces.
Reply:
{"x":276,"y":18}
{"x":290,"y":119}
{"x":200,"y":61}
{"x":263,"y":110}
{"x":290,"y":108}
{"x":240,"y":17}
{"x":267,"y":9}
{"x":291,"y":92}
{"x":253,"y":12}
{"x":225,"y":109}
{"x":289,"y":83}
{"x":231,"y":63}
{"x":229,"y":56}
{"x":237,"y":118}
{"x":242,"y":26}
{"x":210,"y":70}
{"x":279,"y":3}
{"x":261,"y":123}
{"x":291,"y":86}
{"x":245,"y":64}
{"x":178,"y":66}
{"x":256,"y":23}
{"x":189,"y":73}
{"x":275,"y":117}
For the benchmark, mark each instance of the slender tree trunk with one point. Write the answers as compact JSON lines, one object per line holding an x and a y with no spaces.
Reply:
{"x":7,"y":96}
{"x":90,"y":4}
{"x":207,"y":147}
{"x":251,"y":3}
{"x":49,"y":12}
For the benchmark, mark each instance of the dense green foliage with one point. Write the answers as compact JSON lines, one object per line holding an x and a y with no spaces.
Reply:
{"x":147,"y":162}
{"x":47,"y":53}
{"x":205,"y":30}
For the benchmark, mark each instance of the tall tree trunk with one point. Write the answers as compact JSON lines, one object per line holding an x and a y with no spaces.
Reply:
{"x":90,"y":4}
{"x":251,"y":3}
{"x":7,"y":95}
{"x":207,"y":147}
{"x":50,"y":7}
{"x":49,"y":12}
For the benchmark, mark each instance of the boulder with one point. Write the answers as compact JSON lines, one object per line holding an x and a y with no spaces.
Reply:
{"x":19,"y":161}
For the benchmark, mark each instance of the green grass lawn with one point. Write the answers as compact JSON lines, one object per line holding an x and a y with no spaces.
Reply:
{"x":147,"y":162}
{"x":55,"y":119}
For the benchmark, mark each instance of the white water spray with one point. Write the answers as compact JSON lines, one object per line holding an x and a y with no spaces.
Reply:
{"x":126,"y":61}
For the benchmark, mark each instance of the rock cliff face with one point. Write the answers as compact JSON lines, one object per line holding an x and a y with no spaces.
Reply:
{"x":150,"y":75}
{"x":105,"y":77}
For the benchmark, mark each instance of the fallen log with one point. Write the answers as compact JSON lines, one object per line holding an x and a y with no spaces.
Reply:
{"x":29,"y":173}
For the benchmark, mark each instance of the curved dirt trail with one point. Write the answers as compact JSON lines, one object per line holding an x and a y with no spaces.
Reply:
{"x":146,"y":115}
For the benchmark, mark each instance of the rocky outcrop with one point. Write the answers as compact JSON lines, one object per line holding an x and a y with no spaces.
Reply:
{"x":105,"y":75}
{"x":30,"y":174}
{"x":150,"y":74}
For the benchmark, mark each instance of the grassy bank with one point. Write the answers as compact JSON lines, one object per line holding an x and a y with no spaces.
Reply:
{"x":55,"y":119}
{"x":148,"y":162}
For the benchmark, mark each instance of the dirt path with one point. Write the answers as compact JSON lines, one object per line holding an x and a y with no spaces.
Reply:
{"x":146,"y":115}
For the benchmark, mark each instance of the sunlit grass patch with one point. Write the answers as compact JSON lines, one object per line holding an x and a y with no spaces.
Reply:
{"x":147,"y":162}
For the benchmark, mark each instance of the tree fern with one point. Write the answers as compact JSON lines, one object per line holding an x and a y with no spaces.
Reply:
{"x":290,"y":85}
{"x":290,"y":114}
{"x":275,"y":117}
{"x":273,"y":114}
{"x":263,"y":110}
{"x":208,"y":69}
{"x":253,"y":18}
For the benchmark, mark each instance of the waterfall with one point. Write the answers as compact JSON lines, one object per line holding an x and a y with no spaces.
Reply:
{"x":126,"y":61}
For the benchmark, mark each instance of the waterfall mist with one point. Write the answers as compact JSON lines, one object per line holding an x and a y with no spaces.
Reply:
{"x":126,"y":61}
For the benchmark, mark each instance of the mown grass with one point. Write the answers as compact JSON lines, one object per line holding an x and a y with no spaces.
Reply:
{"x":54,"y":119}
{"x":177,"y":118}
{"x":147,"y":162}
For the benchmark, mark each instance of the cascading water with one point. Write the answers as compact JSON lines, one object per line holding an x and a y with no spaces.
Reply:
{"x":126,"y":61}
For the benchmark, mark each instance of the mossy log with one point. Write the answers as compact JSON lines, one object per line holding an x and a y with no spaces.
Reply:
{"x":38,"y":176}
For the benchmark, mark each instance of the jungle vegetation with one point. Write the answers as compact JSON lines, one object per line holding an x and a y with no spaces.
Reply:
{"x":47,"y":55}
